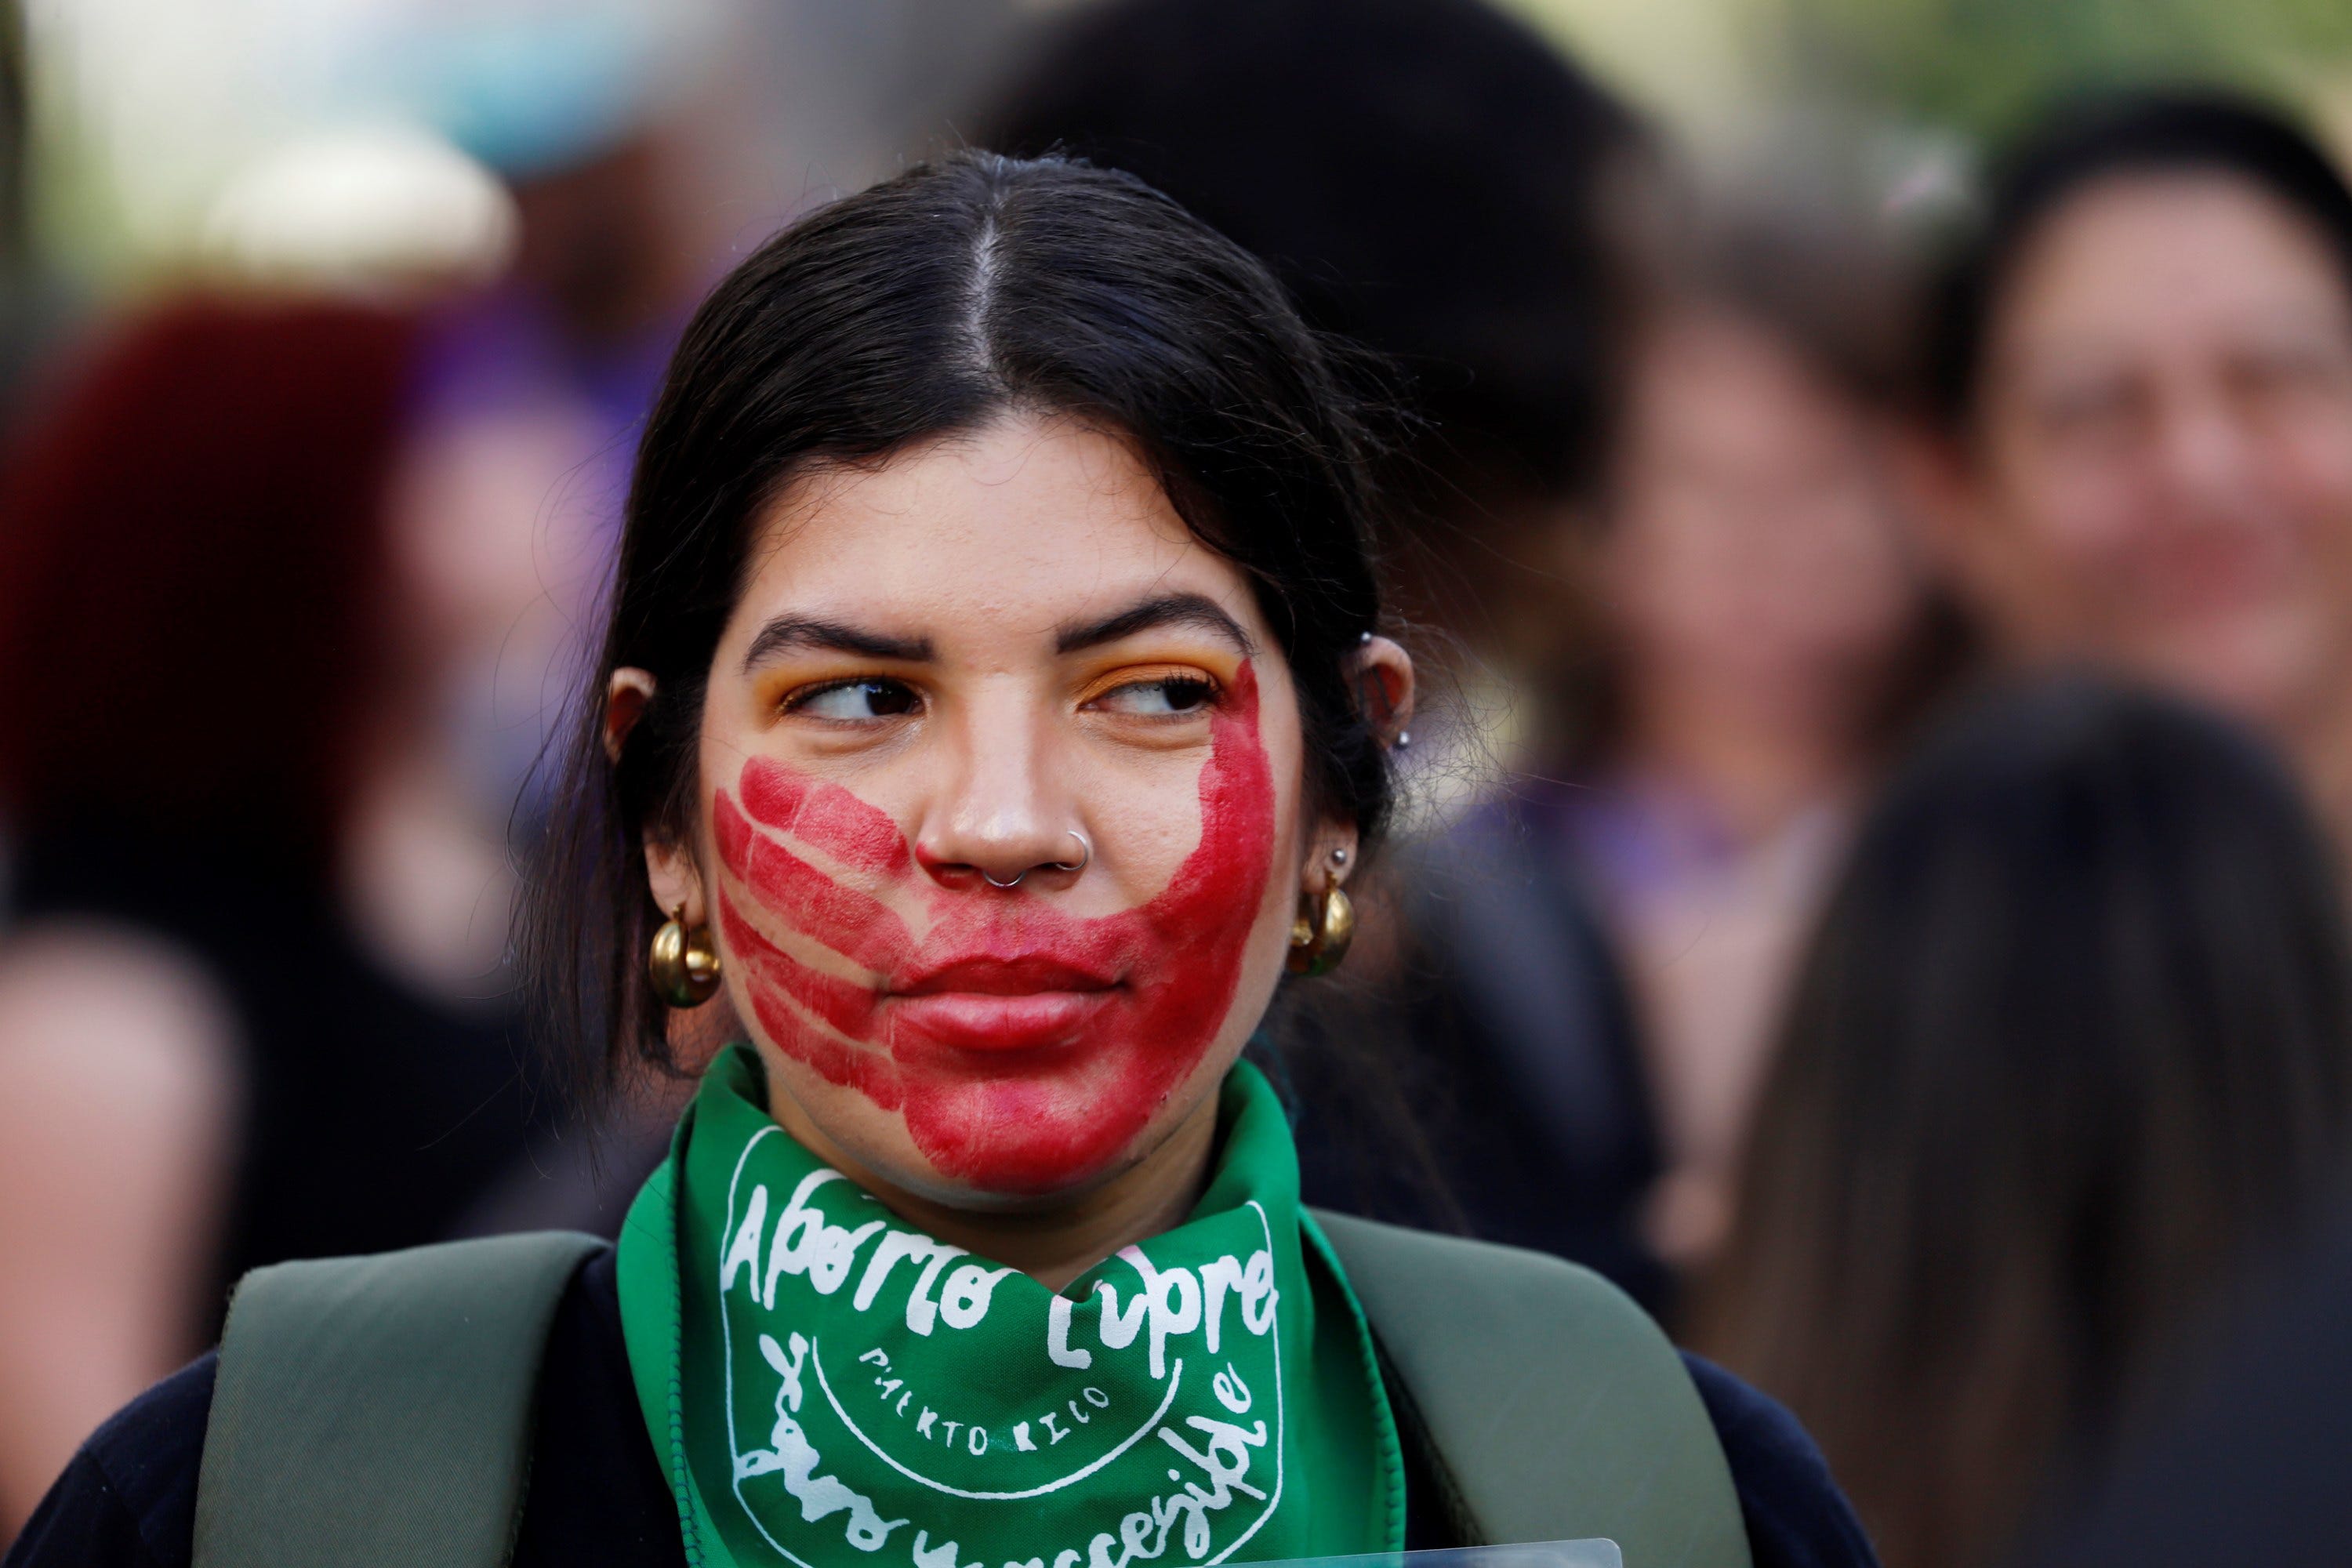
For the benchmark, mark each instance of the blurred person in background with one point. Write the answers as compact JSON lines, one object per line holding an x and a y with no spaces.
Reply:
{"x":1759,"y":632}
{"x":2072,"y":1044}
{"x":599,"y":119}
{"x":251,"y":994}
{"x":1595,"y":958}
{"x":2142,"y":384}
{"x":1428,"y":178}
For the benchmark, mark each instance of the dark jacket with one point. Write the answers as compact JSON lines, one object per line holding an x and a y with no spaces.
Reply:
{"x":1492,"y":1087}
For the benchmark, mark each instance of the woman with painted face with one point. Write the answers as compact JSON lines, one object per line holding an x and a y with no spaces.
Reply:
{"x":2142,"y":391}
{"x":994,"y":708}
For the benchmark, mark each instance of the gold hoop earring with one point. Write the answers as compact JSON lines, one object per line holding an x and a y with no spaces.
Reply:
{"x":1319,"y":936}
{"x":684,"y":965}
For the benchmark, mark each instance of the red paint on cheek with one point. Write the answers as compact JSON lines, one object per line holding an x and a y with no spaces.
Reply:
{"x":823,"y":816}
{"x":790,"y":999}
{"x":855,"y":925}
{"x":844,"y":1005}
{"x":1022,"y":1120}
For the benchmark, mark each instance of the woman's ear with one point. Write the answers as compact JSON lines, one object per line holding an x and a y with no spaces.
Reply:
{"x":675,"y":882}
{"x":671,"y":875}
{"x":1380,"y":675}
{"x":625,"y":700}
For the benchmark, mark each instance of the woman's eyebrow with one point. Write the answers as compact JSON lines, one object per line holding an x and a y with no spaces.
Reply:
{"x":794,"y":633}
{"x":1167,"y":610}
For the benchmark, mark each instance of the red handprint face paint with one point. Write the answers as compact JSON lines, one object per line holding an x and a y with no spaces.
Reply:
{"x":1023,"y":1047}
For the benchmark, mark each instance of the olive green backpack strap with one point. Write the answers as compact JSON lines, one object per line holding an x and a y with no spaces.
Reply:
{"x":377,"y":1410}
{"x":1559,"y":1409}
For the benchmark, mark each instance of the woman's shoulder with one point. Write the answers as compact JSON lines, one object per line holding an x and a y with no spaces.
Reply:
{"x":1795,"y":1514}
{"x":128,"y":1498}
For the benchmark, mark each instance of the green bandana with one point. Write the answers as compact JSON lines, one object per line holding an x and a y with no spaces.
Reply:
{"x":827,"y":1386}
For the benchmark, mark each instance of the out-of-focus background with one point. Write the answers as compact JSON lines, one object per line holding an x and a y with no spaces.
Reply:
{"x":1877,"y":532}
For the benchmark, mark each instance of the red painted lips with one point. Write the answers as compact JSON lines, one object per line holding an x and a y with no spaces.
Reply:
{"x":987,"y":1004}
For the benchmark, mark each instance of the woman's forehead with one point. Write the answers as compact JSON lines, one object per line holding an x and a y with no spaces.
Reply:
{"x":1014,"y":530}
{"x":2130,"y":253}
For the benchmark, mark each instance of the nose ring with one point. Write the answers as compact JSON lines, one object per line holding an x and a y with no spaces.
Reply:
{"x":1086,"y":858}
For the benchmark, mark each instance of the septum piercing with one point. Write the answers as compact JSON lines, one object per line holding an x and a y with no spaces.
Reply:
{"x":1086,"y":858}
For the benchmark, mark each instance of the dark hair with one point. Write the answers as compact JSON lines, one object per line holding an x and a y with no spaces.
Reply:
{"x":1426,"y":177}
{"x":929,"y":304}
{"x":203,"y":507}
{"x":1824,"y":281}
{"x":2074,"y":1035}
{"x":2146,"y":133}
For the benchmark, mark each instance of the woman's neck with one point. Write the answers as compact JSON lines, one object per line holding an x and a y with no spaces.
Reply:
{"x":1052,"y":1244}
{"x":1755,"y":764}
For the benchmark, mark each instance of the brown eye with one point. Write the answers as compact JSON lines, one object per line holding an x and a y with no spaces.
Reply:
{"x":1170,"y":695}
{"x":861,"y":700}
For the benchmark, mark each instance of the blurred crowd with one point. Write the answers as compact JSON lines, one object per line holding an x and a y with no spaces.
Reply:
{"x":1874,"y":888}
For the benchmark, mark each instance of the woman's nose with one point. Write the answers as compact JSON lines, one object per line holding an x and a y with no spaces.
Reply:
{"x":1001,"y":816}
{"x":2208,"y":456}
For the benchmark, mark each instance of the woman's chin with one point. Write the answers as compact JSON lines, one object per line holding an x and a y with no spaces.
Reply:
{"x":1035,"y":1169}
{"x":1004,"y":1146}
{"x":1014,"y":1137}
